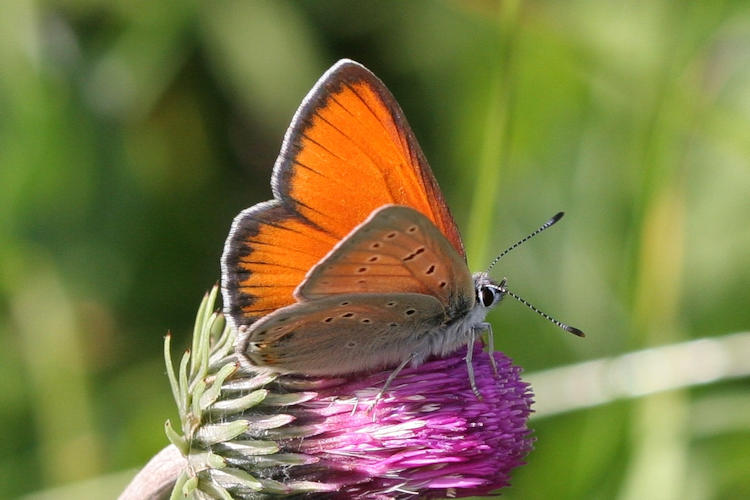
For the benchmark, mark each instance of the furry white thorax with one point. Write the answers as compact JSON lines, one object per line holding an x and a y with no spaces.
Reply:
{"x":453,"y":335}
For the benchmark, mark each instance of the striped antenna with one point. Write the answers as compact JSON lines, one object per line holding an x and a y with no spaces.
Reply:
{"x":560,"y":324}
{"x":544,"y":226}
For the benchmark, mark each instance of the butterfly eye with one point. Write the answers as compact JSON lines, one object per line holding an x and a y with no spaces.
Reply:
{"x":486,"y":296}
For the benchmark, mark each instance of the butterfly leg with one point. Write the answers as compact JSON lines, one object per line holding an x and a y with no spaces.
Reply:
{"x":491,"y":341}
{"x":388,"y":381}
{"x":469,"y":365}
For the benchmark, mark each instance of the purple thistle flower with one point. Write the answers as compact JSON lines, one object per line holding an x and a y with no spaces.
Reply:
{"x":247,"y":432}
{"x":429,"y":436}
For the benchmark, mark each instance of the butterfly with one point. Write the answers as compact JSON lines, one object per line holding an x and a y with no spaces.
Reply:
{"x":356,"y":263}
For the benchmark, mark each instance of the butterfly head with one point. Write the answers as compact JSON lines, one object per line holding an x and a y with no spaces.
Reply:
{"x":488,"y":292}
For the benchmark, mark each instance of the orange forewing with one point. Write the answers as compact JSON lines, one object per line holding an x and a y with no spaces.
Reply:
{"x":348,"y":151}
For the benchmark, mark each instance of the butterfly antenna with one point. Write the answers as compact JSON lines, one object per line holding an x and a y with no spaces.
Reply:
{"x":560,"y":324}
{"x":544,"y":226}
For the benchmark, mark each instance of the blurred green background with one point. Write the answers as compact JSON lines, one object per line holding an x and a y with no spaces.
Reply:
{"x":132,"y":132}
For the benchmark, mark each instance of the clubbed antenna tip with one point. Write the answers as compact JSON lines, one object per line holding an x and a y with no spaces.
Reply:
{"x":555,"y":218}
{"x":574,"y":331}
